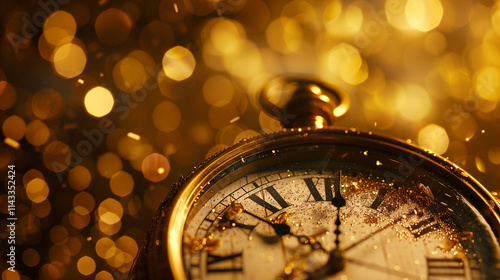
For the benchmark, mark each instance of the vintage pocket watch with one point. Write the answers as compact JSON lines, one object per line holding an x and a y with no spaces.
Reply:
{"x":312,"y":202}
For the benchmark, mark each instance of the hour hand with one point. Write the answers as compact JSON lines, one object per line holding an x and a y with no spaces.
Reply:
{"x":279,"y":224}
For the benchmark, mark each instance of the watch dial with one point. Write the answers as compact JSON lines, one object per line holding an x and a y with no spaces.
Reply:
{"x":336,"y":212}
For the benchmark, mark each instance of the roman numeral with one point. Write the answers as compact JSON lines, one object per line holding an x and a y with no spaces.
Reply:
{"x":315,"y":192}
{"x":445,"y":268}
{"x":274,"y":194}
{"x":423,"y":227}
{"x":230,"y":263}
{"x":380,"y":197}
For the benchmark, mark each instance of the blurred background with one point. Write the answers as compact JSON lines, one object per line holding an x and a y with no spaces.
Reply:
{"x":105,"y":104}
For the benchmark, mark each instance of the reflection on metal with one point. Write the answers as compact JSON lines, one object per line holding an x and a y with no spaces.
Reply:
{"x":303,"y":101}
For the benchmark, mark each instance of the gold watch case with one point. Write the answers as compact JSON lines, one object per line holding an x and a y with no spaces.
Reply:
{"x":161,"y":256}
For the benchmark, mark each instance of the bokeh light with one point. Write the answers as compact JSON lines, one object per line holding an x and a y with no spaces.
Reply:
{"x":57,"y":156}
{"x":37,"y":133}
{"x":83,"y":203}
{"x":113,"y":26}
{"x":59,"y":26}
{"x":104,"y":275}
{"x":121,"y":183}
{"x":47,"y":104}
{"x":31,"y":257}
{"x":434,"y":138}
{"x":133,"y":71}
{"x":424,"y":15}
{"x":14,"y":127}
{"x":79,"y":178}
{"x":99,"y":101}
{"x":110,"y":211}
{"x":178,"y":63}
{"x":155,"y":167}
{"x":167,"y":116}
{"x":37,"y":190}
{"x":69,"y":60}
{"x":105,"y":248}
{"x":108,"y":164}
{"x":218,"y":91}
{"x":86,"y":265}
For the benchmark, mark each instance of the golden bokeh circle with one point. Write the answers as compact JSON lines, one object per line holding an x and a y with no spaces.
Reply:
{"x":155,"y":167}
{"x":121,"y":183}
{"x":113,"y":27}
{"x":86,"y":265}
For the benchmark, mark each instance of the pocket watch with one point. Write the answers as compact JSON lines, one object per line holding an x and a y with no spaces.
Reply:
{"x":314,"y":202}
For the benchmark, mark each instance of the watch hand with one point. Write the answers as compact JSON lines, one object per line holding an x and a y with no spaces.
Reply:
{"x":384,"y":269}
{"x":338,"y":201}
{"x":226,"y":220}
{"x":372,"y":234}
{"x":311,"y":240}
{"x":279,"y":224}
{"x":281,"y":228}
{"x":335,"y":261}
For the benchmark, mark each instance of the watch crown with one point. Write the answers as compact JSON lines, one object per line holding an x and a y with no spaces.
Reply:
{"x":303,"y":101}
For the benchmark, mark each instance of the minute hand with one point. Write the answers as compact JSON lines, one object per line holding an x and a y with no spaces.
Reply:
{"x":338,"y":201}
{"x":372,"y":234}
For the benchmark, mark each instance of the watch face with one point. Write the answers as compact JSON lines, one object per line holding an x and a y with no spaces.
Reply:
{"x":319,"y":208}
